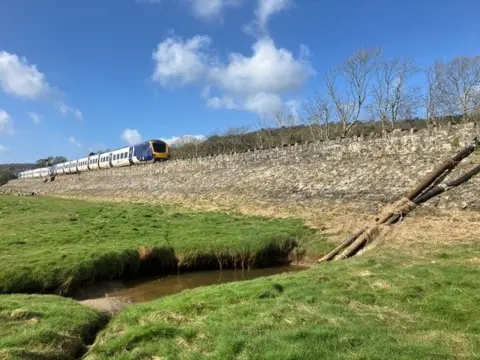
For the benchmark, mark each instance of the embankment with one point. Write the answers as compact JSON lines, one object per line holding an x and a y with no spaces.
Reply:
{"x":57,"y":246}
{"x":367,"y":171}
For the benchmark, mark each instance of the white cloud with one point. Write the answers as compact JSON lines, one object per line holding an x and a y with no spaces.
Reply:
{"x":74,"y":141}
{"x":6,"y":123}
{"x":264,"y":103}
{"x":293,"y":107}
{"x":208,"y":9}
{"x":225,"y":102}
{"x":267,"y":8}
{"x":264,"y":10}
{"x":67,"y":109}
{"x":36,"y":118}
{"x":185,"y":139}
{"x":257,"y":83}
{"x":148,"y":1}
{"x":203,"y":9}
{"x":254,"y":83}
{"x":131,"y":136}
{"x":4,"y":149}
{"x":19,"y":78}
{"x":180,"y":62}
{"x":268,"y":69}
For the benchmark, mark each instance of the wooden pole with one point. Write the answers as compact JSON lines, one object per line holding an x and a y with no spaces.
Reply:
{"x":427,"y":189}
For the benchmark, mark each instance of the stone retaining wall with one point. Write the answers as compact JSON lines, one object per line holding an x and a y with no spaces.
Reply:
{"x":370,"y":170}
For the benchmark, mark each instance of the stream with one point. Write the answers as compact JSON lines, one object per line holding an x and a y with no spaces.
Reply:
{"x":150,"y":288}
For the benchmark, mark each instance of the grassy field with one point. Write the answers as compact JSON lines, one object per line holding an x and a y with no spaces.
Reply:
{"x":45,"y":327}
{"x":47,"y":244}
{"x":416,"y":298}
{"x":371,"y":307}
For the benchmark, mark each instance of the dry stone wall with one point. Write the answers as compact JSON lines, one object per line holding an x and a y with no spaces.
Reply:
{"x":367,"y":170}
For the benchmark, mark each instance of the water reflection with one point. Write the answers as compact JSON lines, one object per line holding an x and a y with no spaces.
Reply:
{"x":147,"y":289}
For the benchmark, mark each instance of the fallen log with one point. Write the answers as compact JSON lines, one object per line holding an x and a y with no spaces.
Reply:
{"x":437,"y":190}
{"x":430,"y":187}
{"x":447,"y":186}
{"x":342,"y":246}
{"x":447,"y":165}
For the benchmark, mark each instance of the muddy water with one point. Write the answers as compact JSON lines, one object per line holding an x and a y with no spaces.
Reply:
{"x":148,"y":289}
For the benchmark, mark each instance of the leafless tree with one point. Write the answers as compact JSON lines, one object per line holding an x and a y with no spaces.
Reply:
{"x":459,"y":85}
{"x":393,"y":97}
{"x":357,"y":73}
{"x":233,"y":136}
{"x":432,"y":97}
{"x":319,"y":111}
{"x":264,"y":136}
{"x":285,"y":124}
{"x":187,"y":145}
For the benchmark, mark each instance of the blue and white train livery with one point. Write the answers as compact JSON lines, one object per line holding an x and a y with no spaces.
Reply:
{"x":148,"y":151}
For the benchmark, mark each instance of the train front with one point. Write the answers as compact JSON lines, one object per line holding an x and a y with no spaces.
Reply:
{"x":160,"y":150}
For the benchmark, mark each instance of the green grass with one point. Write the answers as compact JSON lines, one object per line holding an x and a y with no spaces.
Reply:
{"x":50,"y":245}
{"x":380,"y":305}
{"x":390,"y":307}
{"x":45,"y":327}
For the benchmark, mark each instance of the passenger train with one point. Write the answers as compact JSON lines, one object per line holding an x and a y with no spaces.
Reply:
{"x":148,"y":151}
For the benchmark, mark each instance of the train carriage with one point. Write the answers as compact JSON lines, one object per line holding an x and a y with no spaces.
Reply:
{"x":104,"y":160}
{"x":120,"y":157}
{"x":93,"y":162}
{"x":82,"y":164}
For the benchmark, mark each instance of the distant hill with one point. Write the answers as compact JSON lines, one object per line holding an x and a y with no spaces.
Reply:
{"x":10,"y":171}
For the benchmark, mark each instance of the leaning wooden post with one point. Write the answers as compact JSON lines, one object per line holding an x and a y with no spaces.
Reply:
{"x":418,"y":195}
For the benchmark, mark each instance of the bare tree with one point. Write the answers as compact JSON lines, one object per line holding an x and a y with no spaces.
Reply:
{"x":356,"y":72}
{"x":285,"y":124}
{"x":459,"y":85}
{"x":187,"y":145}
{"x":233,"y":136}
{"x":432,"y":97}
{"x":393,"y":96}
{"x":319,"y":111}
{"x":264,"y":136}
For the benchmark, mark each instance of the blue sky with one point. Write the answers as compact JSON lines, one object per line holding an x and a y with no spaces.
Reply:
{"x":81,"y":75}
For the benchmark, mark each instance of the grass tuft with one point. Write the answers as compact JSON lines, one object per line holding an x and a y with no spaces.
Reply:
{"x":45,"y":327}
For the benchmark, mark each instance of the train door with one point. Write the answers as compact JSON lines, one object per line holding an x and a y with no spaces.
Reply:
{"x":130,"y":154}
{"x":110,"y":156}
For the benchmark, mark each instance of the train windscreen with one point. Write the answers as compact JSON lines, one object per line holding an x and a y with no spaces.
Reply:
{"x":159,"y":147}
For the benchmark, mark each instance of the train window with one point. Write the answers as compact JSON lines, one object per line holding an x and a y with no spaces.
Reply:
{"x":159,"y":147}
{"x":126,"y":154}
